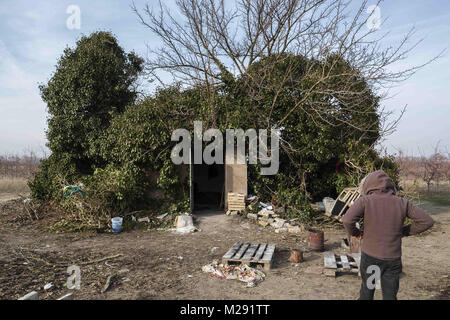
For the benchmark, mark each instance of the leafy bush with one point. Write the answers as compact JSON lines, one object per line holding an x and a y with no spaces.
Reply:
{"x":120,"y":149}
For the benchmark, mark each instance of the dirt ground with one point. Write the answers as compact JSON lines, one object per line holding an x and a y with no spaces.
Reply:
{"x":166,"y":265}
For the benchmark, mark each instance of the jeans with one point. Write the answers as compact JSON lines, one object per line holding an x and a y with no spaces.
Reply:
{"x":390,"y":270}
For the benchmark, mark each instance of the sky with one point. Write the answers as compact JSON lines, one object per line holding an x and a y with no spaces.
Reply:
{"x":33,"y":35}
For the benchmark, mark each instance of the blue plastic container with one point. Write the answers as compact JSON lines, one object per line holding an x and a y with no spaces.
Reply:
{"x":116,"y":224}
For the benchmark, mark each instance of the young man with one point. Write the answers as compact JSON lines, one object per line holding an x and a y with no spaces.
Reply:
{"x":384,"y":214}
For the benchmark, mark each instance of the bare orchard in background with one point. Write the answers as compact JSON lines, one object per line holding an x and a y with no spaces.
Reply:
{"x":15,"y":170}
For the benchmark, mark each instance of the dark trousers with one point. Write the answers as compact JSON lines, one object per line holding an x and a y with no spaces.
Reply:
{"x":389,"y":271}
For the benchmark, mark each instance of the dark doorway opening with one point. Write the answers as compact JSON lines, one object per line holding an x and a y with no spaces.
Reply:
{"x":208,"y":182}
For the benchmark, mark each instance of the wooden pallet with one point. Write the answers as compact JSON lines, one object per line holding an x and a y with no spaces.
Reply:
{"x":235,"y":201}
{"x":250,"y":254}
{"x":343,"y":202}
{"x":342,"y":263}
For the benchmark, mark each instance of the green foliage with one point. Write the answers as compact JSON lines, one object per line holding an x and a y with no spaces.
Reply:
{"x":120,"y":149}
{"x":53,"y":174}
{"x":92,"y":83}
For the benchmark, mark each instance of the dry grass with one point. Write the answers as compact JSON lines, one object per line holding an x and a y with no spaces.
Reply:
{"x":13,"y":185}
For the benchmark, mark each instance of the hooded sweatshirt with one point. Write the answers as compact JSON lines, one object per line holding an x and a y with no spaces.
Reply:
{"x":384,"y":214}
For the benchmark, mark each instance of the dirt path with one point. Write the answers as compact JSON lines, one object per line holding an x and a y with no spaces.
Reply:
{"x":166,"y":265}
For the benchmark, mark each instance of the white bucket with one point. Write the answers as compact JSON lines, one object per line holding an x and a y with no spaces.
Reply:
{"x":116,"y":224}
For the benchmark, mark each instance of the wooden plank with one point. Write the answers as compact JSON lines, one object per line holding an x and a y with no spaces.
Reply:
{"x":250,"y":252}
{"x":236,"y":208}
{"x":268,"y":254}
{"x":241,"y":251}
{"x":232,"y":251}
{"x":260,"y":252}
{"x":345,"y":270}
{"x":357,"y":257}
{"x":232,"y":196}
{"x":344,"y":261}
{"x":329,"y":260}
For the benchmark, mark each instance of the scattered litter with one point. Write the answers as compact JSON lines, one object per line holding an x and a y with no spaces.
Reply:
{"x":267,"y":212}
{"x":133,"y":218}
{"x":33,"y":295}
{"x":184,"y":224}
{"x":214,"y":249}
{"x":68,"y":296}
{"x":187,"y":229}
{"x":108,"y":283}
{"x":252,"y":216}
{"x":145,"y":219}
{"x":183,"y":221}
{"x":240,"y":272}
{"x":279,"y":223}
{"x":265,"y":205}
{"x":233,"y":212}
{"x":180,"y":258}
{"x":190,"y":276}
{"x":69,"y":191}
{"x":48,"y":286}
{"x":296,"y":256}
{"x":328,"y":204}
{"x":252,"y":198}
{"x":263,"y":223}
{"x":295,"y":229}
{"x":160,"y":217}
{"x":26,"y":200}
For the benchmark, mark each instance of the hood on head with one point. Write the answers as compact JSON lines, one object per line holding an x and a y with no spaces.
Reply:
{"x":377,"y":182}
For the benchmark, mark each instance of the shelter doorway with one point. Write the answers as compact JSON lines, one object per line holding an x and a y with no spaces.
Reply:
{"x":208,"y":183}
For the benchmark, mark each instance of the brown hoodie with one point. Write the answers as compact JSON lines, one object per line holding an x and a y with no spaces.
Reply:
{"x":384,"y":214}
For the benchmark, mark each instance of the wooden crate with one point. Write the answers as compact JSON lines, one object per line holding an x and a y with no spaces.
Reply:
{"x":341,"y":263}
{"x":250,"y":254}
{"x":236,"y":201}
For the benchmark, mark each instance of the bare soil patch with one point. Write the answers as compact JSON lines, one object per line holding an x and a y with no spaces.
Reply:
{"x":166,"y":265}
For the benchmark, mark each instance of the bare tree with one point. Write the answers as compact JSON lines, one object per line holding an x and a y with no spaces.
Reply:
{"x":207,"y":41}
{"x":446,"y":167}
{"x":433,"y":167}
